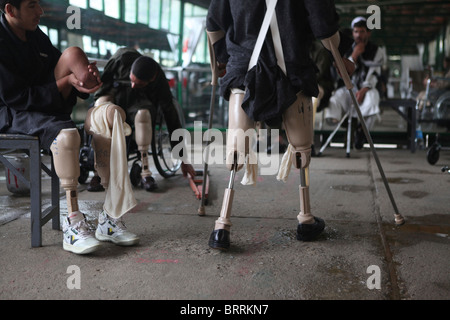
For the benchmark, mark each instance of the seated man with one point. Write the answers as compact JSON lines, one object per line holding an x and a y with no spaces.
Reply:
{"x":369,"y":59}
{"x":138,"y":84}
{"x":38,"y":89}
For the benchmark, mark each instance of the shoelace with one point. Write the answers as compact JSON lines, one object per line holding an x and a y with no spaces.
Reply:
{"x":84,"y":229}
{"x":119,"y":224}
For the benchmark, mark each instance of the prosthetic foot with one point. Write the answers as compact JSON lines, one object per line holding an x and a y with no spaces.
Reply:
{"x":220,"y":237}
{"x":307,"y":231}
{"x":143,"y":136}
{"x":298,"y":123}
{"x":237,"y":149}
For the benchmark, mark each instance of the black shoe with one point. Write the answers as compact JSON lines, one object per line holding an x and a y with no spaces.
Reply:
{"x":149,"y":183}
{"x":220,"y":239}
{"x":95,"y":185}
{"x":308,"y":232}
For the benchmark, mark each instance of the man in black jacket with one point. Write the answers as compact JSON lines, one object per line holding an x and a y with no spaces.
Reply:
{"x":272,"y":91}
{"x":38,"y":89}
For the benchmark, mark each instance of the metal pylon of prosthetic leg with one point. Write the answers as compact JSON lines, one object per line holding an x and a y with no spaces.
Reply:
{"x":305,"y":206}
{"x":225,"y":212}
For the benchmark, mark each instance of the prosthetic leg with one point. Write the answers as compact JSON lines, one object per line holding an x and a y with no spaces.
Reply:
{"x":143,"y":136}
{"x":298,"y":123}
{"x":65,"y":150}
{"x":107,"y":128}
{"x":237,"y":149}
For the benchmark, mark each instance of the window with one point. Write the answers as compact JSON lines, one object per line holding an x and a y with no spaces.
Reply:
{"x":79,"y":3}
{"x":175,"y":16}
{"x":113,"y":9}
{"x":130,"y":11}
{"x":165,"y":14}
{"x":155,"y":10}
{"x":143,"y":11}
{"x":96,"y":4}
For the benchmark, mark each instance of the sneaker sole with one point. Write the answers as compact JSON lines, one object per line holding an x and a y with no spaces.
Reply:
{"x":102,"y":237}
{"x":80,"y":250}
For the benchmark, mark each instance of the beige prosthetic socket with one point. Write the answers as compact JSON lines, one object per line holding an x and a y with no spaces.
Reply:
{"x":66,"y":150}
{"x":298,"y":123}
{"x":102,"y":145}
{"x":239,"y":123}
{"x":143,"y":135}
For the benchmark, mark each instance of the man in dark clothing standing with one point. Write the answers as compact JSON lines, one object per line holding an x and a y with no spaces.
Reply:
{"x":277,"y":90}
{"x":138,"y":84}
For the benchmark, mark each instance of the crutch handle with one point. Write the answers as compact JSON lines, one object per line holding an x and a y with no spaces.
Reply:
{"x":213,"y":37}
{"x":332,"y":44}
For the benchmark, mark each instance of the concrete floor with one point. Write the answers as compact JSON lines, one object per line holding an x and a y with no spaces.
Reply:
{"x":361,"y":254}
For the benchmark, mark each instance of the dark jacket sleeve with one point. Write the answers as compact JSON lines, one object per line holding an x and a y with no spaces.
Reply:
{"x":16,"y":93}
{"x":324,"y":22}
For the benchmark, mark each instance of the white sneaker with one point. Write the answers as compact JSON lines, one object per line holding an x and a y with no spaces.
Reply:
{"x":78,"y":237}
{"x":114,"y":230}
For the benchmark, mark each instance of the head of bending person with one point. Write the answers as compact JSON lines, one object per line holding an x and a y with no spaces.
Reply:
{"x":143,"y":71}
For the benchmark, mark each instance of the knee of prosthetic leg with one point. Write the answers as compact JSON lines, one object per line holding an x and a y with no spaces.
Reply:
{"x":143,"y":129}
{"x":110,"y":111}
{"x":65,"y":150}
{"x":302,"y":158}
{"x":238,"y":146}
{"x":235,"y":160}
{"x":110,"y":114}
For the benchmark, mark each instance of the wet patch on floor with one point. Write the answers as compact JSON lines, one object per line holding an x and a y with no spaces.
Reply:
{"x":401,"y":180}
{"x":435,"y":229}
{"x":352,"y":188}
{"x":347,"y":172}
{"x":416,"y":171}
{"x":345,"y":215}
{"x":413,"y":194}
{"x":400,"y":162}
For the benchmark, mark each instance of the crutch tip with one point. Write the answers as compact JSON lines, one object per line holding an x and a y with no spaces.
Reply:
{"x":201,"y":211}
{"x":399,"y":220}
